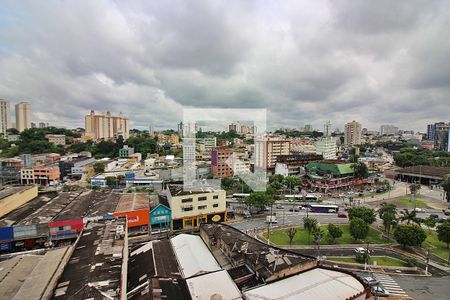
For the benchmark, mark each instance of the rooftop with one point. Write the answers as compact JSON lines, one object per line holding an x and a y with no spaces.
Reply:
{"x":94,"y":269}
{"x":130,"y":202}
{"x":179,"y":190}
{"x":201,"y":287}
{"x":426,"y":171}
{"x":6,"y":191}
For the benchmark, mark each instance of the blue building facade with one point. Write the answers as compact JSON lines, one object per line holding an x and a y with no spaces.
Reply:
{"x":160,"y":219}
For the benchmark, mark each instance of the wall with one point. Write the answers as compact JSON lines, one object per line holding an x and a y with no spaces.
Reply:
{"x":176,"y":204}
{"x":136,"y":217}
{"x":12,"y":202}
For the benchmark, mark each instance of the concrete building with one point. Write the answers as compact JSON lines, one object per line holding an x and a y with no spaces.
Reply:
{"x":126,"y":151}
{"x":431,"y":131}
{"x":190,"y":209}
{"x":441,"y":138}
{"x":221,"y":162}
{"x":388,"y":130}
{"x":106,"y":126}
{"x":27,"y":160}
{"x":327,"y":148}
{"x":352,"y":134}
{"x":168,"y":138}
{"x":5,"y":117}
{"x":266,"y":152}
{"x":23,"y":116}
{"x":46,"y":175}
{"x":136,"y":208}
{"x":56,"y":139}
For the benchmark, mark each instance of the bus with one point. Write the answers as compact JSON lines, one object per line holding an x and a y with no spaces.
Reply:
{"x":240,"y":196}
{"x":324,"y":208}
{"x":298,"y":197}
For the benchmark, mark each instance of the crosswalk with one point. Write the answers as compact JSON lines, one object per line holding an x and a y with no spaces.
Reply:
{"x":390,"y":285}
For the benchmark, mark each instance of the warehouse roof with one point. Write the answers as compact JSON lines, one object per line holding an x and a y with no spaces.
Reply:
{"x":203,"y":287}
{"x":317,"y":283}
{"x":131,"y":202}
{"x":426,"y":171}
{"x":6,"y":191}
{"x":193,"y":255}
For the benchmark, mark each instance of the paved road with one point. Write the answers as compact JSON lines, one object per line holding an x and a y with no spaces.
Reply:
{"x":426,"y":288}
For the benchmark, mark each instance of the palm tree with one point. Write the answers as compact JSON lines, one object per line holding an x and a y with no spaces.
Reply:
{"x":409,"y":216}
{"x":309,"y":224}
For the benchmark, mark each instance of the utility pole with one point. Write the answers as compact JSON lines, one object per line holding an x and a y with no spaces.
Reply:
{"x":367,"y":256}
{"x":428,"y":261}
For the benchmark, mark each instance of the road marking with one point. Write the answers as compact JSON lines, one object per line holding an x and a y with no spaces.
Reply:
{"x":390,"y":284}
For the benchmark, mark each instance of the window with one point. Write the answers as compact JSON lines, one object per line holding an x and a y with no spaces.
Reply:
{"x":203,"y":198}
{"x":215,"y":205}
{"x":189,"y":208}
{"x":202,"y":207}
{"x":216,"y":197}
{"x":186,"y":200}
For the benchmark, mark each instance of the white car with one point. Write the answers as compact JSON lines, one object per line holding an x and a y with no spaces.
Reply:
{"x":360,"y":250}
{"x":418,"y":209}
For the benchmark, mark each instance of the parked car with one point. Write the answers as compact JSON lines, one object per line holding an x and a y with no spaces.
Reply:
{"x":418,"y":209}
{"x":379,"y":291}
{"x":361,"y":250}
{"x":279,"y":206}
{"x":247,"y":215}
{"x":296,"y":209}
{"x":446,"y":212}
{"x":271,"y":219}
{"x":342,"y":215}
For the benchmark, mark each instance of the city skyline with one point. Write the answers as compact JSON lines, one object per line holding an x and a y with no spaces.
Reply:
{"x":305,"y":62}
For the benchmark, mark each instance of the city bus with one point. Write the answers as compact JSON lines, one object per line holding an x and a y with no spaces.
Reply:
{"x":324,"y":208}
{"x":298,"y":197}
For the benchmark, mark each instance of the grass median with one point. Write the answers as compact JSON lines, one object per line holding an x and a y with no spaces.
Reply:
{"x":380,"y":261}
{"x":280,"y":237}
{"x":437,"y":247}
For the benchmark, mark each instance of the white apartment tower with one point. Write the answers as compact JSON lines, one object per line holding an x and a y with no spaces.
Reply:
{"x":5,"y":117}
{"x":23,"y":116}
{"x":106,"y":126}
{"x":352,"y":133}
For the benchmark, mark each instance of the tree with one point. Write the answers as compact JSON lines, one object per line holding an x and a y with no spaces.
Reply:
{"x":309,"y":224}
{"x":443,"y":232}
{"x":364,"y":213}
{"x":414,"y":188}
{"x":291,"y":182}
{"x":409,"y":235}
{"x":291,"y":234}
{"x":360,"y":170}
{"x":111,"y":181}
{"x":99,"y":167}
{"x":359,"y":228}
{"x":430,"y":222}
{"x":334,"y":232}
{"x":409,"y":216}
{"x":445,"y":183}
{"x":388,"y":213}
{"x":259,"y":200}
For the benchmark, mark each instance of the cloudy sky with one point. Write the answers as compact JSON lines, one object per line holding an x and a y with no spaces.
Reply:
{"x":305,"y":61}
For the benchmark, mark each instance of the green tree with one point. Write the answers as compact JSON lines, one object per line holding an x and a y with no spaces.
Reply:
{"x":445,"y":183}
{"x":99,"y":167}
{"x":443,"y":232}
{"x":291,"y":231}
{"x":309,"y":224}
{"x":365,"y":213}
{"x":111,"y":181}
{"x":388,"y":213}
{"x":360,"y":170}
{"x":409,"y":235}
{"x":409,"y":216}
{"x":359,"y":228}
{"x":291,"y":182}
{"x":259,"y":200}
{"x":430,"y":222}
{"x":414,"y":188}
{"x":334,"y":232}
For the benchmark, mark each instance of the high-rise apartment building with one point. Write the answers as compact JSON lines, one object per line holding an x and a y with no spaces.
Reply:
{"x":388,"y":130}
{"x":106,"y":126}
{"x":23,"y":116}
{"x":441,"y":138}
{"x":5,"y":117}
{"x":431,"y":131}
{"x":267,"y":151}
{"x":327,"y":148}
{"x":352,"y":133}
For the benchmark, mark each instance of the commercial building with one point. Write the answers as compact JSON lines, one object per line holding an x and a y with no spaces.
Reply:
{"x":13,"y":197}
{"x":10,"y":170}
{"x":388,"y":130}
{"x":5,"y":117}
{"x":46,"y":175}
{"x":327,"y":148}
{"x":23,"y":116}
{"x":56,"y":139}
{"x":330,"y":176}
{"x":160,"y":215}
{"x":352,"y":134}
{"x":293,"y":164}
{"x":428,"y":175}
{"x":135,"y":207}
{"x":192,"y":208}
{"x":431,"y":131}
{"x":106,"y":126}
{"x":267,"y":151}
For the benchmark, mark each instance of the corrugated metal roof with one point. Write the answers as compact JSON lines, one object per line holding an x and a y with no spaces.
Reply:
{"x":201,"y":287}
{"x":131,"y":202}
{"x":193,"y":255}
{"x":313,"y":284}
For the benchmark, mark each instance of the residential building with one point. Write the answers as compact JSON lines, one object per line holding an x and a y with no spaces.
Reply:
{"x":27,"y":176}
{"x":192,"y":208}
{"x":27,"y":160}
{"x":205,"y":144}
{"x":168,"y":138}
{"x":10,"y":170}
{"x":23,"y":116}
{"x":221,"y":162}
{"x":441,"y":138}
{"x":83,"y":168}
{"x":308,"y":128}
{"x":267,"y":151}
{"x":43,"y":125}
{"x":46,"y":175}
{"x":126,"y":151}
{"x":352,"y":134}
{"x":327,"y":148}
{"x":106,"y":126}
{"x":5,"y":117}
{"x":388,"y":130}
{"x":56,"y":139}
{"x":241,"y":128}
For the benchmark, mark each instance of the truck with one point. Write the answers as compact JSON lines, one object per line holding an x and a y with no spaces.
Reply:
{"x":271,"y":219}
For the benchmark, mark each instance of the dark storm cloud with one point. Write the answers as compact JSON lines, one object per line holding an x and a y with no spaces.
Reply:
{"x":306,"y":62}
